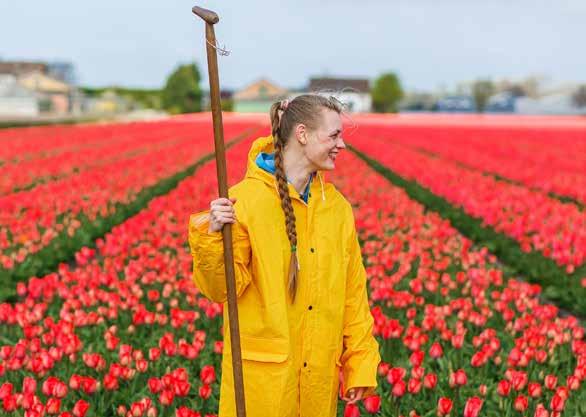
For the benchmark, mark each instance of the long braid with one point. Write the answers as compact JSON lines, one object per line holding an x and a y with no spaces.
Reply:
{"x":287,"y":207}
{"x":306,"y":109}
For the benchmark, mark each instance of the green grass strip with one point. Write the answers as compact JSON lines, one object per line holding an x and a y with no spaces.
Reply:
{"x":558,"y":287}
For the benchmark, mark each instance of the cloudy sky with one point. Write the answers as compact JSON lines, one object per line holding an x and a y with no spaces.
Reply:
{"x":430,"y":43}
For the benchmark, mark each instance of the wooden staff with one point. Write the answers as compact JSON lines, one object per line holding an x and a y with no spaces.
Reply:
{"x":212,"y":18}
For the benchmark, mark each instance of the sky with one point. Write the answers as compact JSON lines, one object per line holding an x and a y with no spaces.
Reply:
{"x":430,"y":44}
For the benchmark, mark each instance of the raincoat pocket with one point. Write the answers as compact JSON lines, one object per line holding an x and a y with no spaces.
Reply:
{"x":264,"y":349}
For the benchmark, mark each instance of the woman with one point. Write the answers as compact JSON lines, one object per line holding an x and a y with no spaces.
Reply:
{"x":302,"y":301}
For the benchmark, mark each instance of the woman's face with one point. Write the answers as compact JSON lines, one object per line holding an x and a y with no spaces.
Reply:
{"x":325,"y":142}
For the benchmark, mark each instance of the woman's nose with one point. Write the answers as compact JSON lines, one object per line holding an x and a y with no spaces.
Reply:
{"x":341,"y":143}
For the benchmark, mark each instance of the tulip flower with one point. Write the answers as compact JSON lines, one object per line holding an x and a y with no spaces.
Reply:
{"x":444,"y":406}
{"x":351,"y":410}
{"x":372,"y":404}
{"x":472,"y":407}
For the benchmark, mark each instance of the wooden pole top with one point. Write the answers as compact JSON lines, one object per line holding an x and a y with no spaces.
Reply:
{"x":207,"y":15}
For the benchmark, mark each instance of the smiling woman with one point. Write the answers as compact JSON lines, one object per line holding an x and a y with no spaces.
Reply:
{"x":303,"y":308}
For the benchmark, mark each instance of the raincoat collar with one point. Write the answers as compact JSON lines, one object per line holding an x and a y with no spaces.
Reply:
{"x":265,"y":144}
{"x":267,"y":162}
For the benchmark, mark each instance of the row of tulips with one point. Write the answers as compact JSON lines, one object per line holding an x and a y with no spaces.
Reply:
{"x":552,"y":160}
{"x":31,"y":220}
{"x":37,"y":143}
{"x":102,"y":146}
{"x":536,"y":221}
{"x":126,"y":333}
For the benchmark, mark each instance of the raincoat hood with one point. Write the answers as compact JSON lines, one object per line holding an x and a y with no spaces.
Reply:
{"x":261,"y":166}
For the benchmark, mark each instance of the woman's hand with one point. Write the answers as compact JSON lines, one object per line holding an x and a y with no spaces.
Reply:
{"x":221,"y":212}
{"x":354,"y":395}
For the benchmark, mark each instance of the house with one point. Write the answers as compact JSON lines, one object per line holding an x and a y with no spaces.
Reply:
{"x":258,"y":96}
{"x":15,"y":100}
{"x":52,"y":83}
{"x":353,"y":92}
{"x":52,"y":93}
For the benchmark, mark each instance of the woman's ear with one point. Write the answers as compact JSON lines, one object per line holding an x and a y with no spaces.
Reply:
{"x":301,"y":133}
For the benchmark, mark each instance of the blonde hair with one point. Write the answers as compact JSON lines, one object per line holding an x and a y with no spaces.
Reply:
{"x":305,"y":109}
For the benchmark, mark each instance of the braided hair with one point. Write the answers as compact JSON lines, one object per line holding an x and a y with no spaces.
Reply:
{"x":305,"y":109}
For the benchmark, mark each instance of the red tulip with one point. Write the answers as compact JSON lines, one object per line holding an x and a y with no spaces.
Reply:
{"x":141,"y":365}
{"x":519,"y":380}
{"x":472,"y":407}
{"x":154,"y":354}
{"x":458,"y":378}
{"x":430,"y":381}
{"x":503,"y":388}
{"x":399,"y":388}
{"x":383,"y":368}
{"x":29,"y":385}
{"x":416,"y":358}
{"x":9,"y":403}
{"x":110,"y":382}
{"x":351,"y":410}
{"x":155,"y":385}
{"x":89,"y":385}
{"x":395,"y":375}
{"x":436,"y":351}
{"x":59,"y":389}
{"x":444,"y":406}
{"x":557,"y":403}
{"x":53,"y":405}
{"x":541,"y":411}
{"x":521,"y":403}
{"x":550,"y":381}
{"x":182,"y":388}
{"x":80,"y":408}
{"x":137,"y":409}
{"x":573,"y":382}
{"x":414,"y":386}
{"x":205,"y":391}
{"x":534,"y":389}
{"x":166,"y":397}
{"x":5,"y":390}
{"x":457,"y":341}
{"x":207,"y":374}
{"x":372,"y":404}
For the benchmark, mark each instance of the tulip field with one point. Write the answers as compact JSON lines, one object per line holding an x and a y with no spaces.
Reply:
{"x":473,"y":234}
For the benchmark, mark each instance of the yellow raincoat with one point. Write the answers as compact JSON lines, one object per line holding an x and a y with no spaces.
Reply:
{"x":291,"y":353}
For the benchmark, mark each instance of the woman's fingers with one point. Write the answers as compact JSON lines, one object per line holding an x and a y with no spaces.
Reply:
{"x":354,"y":395}
{"x":222,"y":201}
{"x":221,"y":212}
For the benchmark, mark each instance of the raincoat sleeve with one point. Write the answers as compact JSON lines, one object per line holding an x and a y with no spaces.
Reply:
{"x":207,"y":251}
{"x":361,"y":357}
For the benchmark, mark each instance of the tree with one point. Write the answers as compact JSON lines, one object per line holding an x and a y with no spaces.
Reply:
{"x":482,"y":90}
{"x":386,"y":93}
{"x":182,"y":93}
